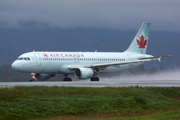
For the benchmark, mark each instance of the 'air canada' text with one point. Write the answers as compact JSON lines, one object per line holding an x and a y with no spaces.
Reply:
{"x":63,"y":55}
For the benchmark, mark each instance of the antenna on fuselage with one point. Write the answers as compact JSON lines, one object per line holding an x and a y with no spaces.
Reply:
{"x":96,"y":51}
{"x":33,"y":50}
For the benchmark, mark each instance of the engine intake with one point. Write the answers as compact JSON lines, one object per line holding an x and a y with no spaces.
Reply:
{"x":83,"y":73}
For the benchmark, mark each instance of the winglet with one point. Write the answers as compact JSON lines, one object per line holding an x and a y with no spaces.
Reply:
{"x":156,"y":58}
{"x":160,"y":58}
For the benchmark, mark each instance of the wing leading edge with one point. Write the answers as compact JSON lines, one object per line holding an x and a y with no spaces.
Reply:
{"x":116,"y":64}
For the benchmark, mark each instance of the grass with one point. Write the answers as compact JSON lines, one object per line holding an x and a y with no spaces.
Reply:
{"x":37,"y":102}
{"x":173,"y":115}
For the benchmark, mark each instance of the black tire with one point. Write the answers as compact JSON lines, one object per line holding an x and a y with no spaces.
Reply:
{"x":32,"y":80}
{"x":67,"y":79}
{"x":94,"y":79}
{"x":97,"y":79}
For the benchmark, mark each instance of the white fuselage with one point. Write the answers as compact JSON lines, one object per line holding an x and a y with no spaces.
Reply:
{"x":59,"y":62}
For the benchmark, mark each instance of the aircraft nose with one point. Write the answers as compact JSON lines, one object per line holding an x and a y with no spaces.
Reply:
{"x":14,"y":65}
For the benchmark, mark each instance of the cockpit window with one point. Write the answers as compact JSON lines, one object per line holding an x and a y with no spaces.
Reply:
{"x":20,"y":58}
{"x":23,"y":58}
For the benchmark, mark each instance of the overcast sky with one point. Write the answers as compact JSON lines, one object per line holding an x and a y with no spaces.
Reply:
{"x":109,"y":14}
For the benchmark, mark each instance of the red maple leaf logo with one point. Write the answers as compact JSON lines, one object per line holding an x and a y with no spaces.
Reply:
{"x":45,"y":55}
{"x":142,"y":43}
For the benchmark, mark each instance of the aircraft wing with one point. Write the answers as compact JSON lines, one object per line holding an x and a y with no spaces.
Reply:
{"x":116,"y":64}
{"x":155,"y":57}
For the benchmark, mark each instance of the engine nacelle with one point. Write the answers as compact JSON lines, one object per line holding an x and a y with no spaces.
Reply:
{"x":37,"y":76}
{"x":83,"y":73}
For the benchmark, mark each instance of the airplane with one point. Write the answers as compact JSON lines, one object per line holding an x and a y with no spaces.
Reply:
{"x":85,"y":65}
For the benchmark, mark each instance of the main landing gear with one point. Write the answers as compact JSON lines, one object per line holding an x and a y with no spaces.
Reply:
{"x":66,"y":78}
{"x":94,"y":79}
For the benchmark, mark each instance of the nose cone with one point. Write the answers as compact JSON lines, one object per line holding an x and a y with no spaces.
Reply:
{"x":14,"y":65}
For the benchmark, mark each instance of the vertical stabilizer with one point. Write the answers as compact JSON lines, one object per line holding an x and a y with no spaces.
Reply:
{"x":140,"y":41}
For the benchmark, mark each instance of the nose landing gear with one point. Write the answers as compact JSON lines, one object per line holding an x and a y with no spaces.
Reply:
{"x":32,"y":80}
{"x":33,"y":77}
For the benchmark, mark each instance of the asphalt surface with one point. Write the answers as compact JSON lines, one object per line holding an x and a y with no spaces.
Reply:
{"x":87,"y":83}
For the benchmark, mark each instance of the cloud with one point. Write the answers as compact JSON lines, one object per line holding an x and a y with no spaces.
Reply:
{"x":108,"y":14}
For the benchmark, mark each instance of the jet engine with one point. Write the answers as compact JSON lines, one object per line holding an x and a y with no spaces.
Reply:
{"x":42,"y":77}
{"x":83,"y":73}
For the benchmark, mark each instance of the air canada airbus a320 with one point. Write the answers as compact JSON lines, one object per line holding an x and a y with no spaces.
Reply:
{"x":85,"y":65}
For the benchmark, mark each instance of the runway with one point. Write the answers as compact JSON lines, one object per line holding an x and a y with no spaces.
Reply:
{"x":87,"y":83}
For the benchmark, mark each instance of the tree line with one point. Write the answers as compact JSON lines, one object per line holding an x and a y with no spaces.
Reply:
{"x":7,"y":74}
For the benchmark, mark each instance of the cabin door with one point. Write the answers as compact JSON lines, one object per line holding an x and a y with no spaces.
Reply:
{"x":38,"y":59}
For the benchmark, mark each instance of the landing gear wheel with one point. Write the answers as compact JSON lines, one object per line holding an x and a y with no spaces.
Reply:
{"x":32,"y":80}
{"x":94,"y":79}
{"x":67,"y":79}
